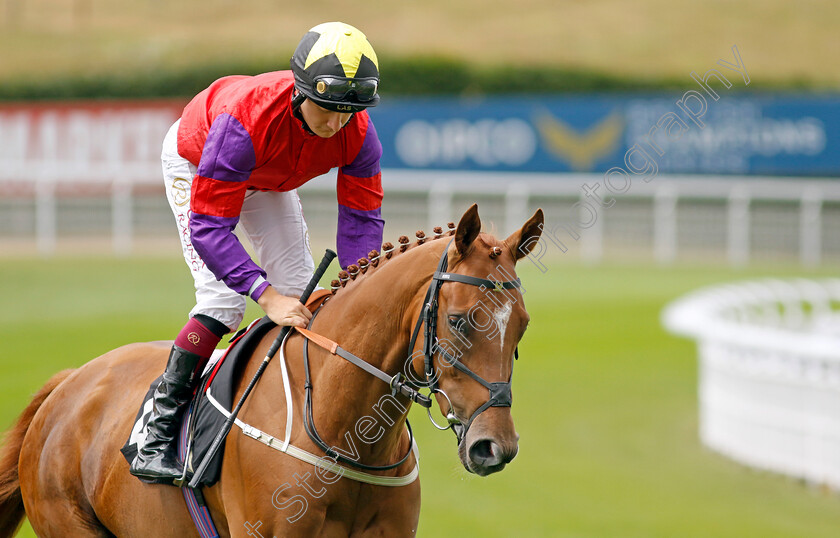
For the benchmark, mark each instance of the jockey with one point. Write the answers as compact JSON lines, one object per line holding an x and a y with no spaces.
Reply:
{"x":236,"y":156}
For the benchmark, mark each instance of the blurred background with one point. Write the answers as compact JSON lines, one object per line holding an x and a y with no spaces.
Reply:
{"x":673,"y":145}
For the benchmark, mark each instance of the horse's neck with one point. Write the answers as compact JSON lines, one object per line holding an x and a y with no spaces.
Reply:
{"x":372,"y":318}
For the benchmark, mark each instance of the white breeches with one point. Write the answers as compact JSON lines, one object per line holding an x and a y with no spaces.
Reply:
{"x":273,"y":223}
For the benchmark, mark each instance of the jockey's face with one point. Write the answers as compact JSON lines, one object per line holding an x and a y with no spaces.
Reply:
{"x":324,"y":123}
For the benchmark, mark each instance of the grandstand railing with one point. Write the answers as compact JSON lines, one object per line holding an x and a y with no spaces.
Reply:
{"x":769,"y":372}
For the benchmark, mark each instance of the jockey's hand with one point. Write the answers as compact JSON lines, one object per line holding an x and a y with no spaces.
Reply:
{"x":284,"y":310}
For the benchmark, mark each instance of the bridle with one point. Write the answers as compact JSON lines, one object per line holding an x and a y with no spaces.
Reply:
{"x":500,"y":392}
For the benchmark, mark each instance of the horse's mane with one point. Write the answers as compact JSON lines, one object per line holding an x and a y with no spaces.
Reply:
{"x":376,"y":259}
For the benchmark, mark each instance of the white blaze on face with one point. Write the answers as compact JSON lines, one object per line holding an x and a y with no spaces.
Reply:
{"x":501,"y":316}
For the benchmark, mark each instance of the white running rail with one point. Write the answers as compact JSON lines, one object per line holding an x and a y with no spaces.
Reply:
{"x":769,"y":372}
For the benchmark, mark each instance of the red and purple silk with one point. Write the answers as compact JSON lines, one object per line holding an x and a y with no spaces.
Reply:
{"x":242,"y":135}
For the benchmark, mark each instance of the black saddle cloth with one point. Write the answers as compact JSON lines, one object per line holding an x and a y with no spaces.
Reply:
{"x":202,"y":422}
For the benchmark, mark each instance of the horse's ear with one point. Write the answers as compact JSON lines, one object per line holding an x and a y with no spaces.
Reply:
{"x":523,"y":240}
{"x":468,"y":229}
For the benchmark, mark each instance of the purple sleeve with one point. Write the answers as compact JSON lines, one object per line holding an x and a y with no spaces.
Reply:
{"x":366,"y":162}
{"x":227,"y":160}
{"x":228,"y":153}
{"x":359,"y":232}
{"x":224,"y":255}
{"x":360,"y":193}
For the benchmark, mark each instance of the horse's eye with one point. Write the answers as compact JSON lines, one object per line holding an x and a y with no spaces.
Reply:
{"x":458,"y":323}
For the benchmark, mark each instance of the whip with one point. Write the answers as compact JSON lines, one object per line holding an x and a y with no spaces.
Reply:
{"x":329,"y":255}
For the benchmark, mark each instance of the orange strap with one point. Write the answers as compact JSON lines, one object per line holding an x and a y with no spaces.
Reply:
{"x":317,"y":298}
{"x":393,"y":381}
{"x":322,"y":341}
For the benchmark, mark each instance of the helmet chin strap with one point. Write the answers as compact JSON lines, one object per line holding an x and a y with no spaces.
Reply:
{"x":297,"y":101}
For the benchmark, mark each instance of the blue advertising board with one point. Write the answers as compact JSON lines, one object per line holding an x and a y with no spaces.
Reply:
{"x":689,"y":133}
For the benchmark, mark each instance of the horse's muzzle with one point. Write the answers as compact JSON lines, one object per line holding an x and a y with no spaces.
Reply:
{"x":486,"y":456}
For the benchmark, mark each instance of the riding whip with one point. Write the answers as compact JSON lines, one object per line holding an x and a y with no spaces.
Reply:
{"x":329,"y":255}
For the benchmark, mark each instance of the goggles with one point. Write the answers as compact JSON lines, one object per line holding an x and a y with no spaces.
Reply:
{"x":339,"y":89}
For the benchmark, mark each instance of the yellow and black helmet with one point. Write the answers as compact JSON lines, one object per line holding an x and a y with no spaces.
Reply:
{"x":335,"y":66}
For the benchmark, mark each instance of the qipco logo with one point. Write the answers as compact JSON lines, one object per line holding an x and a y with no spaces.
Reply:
{"x":456,"y":143}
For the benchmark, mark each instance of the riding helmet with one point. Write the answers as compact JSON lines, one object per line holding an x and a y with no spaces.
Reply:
{"x":336,"y":67}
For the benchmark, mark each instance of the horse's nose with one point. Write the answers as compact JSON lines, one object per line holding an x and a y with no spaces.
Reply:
{"x":488,"y":454}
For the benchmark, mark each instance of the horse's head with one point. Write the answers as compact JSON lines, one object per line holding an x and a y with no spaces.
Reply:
{"x":480,"y":318}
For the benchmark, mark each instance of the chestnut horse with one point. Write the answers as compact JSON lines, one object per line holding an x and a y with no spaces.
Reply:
{"x":61,"y":464}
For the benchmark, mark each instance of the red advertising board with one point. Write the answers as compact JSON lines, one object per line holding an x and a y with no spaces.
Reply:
{"x":84,"y":141}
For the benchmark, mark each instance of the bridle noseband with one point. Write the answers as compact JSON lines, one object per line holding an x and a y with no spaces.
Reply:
{"x":500,"y":392}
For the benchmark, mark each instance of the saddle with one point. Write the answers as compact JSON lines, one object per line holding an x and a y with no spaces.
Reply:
{"x":202,"y":420}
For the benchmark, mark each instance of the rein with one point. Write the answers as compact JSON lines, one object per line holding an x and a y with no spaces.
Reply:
{"x":395,"y":382}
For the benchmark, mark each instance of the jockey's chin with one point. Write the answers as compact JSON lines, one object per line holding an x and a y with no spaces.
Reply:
{"x":324,"y":123}
{"x":324,"y":132}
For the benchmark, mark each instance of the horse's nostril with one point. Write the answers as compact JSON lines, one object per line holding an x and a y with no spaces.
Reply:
{"x":485,"y":453}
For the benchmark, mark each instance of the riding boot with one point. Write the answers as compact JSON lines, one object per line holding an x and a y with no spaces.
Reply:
{"x":156,"y":459}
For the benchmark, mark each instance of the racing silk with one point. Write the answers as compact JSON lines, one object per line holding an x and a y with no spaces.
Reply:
{"x":241,"y":134}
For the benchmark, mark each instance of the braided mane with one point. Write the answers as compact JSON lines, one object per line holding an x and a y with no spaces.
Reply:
{"x":363,"y":265}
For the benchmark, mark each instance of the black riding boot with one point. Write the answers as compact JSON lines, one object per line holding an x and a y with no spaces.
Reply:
{"x":156,"y":459}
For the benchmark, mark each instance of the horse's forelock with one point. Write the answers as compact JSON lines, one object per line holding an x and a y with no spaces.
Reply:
{"x":485,"y":245}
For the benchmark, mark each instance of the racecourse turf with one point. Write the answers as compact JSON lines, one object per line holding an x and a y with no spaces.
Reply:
{"x":604,"y":400}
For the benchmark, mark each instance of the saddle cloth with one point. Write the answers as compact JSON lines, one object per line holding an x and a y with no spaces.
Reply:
{"x":202,"y":422}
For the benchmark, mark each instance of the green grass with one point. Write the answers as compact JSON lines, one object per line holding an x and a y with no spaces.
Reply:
{"x":604,"y":401}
